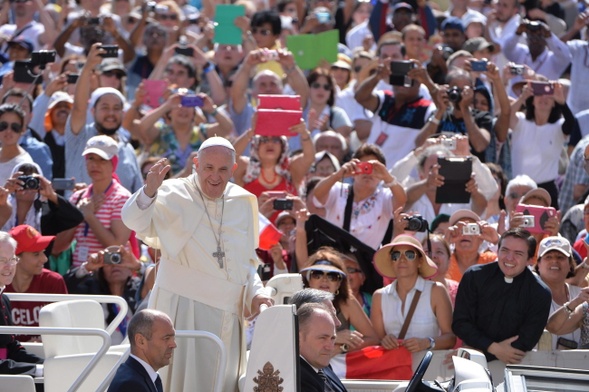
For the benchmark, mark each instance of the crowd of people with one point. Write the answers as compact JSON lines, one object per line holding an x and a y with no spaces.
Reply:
{"x":449,"y":139}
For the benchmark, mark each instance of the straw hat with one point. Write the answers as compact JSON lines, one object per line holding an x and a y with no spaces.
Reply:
{"x":384,"y":264}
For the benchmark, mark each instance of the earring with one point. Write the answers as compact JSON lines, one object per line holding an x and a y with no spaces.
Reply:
{"x":337,"y":292}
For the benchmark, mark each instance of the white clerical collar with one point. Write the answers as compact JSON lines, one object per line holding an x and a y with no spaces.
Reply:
{"x":152,"y":373}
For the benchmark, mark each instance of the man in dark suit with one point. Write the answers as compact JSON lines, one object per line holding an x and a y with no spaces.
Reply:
{"x":316,"y":342}
{"x":152,"y":338}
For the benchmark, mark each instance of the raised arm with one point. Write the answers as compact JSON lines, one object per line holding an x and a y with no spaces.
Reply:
{"x":82,"y":89}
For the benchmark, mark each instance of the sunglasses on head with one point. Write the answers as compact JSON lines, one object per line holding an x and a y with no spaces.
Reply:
{"x":15,"y":127}
{"x":264,"y":32}
{"x":331,"y":276}
{"x":410,"y":255}
{"x":316,"y":85}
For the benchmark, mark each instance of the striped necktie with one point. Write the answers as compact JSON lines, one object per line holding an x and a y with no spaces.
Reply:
{"x":326,"y":384}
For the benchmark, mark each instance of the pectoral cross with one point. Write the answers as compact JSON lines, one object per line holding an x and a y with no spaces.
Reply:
{"x":219,"y":254}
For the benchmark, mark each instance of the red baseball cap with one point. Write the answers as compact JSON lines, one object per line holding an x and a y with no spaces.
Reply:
{"x":29,"y":240}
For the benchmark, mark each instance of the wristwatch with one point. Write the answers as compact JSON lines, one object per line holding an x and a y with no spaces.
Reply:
{"x":343,"y":348}
{"x":432,"y":343}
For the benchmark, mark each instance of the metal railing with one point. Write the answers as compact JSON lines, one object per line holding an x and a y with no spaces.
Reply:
{"x":70,"y":331}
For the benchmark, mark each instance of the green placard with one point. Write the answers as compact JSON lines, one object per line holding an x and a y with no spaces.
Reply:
{"x":309,"y":49}
{"x":226,"y":32}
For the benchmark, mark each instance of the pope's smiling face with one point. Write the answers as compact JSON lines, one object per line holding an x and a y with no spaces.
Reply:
{"x":214,"y":166}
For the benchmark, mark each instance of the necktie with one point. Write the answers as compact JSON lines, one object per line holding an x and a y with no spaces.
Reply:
{"x":158,"y":384}
{"x":326,"y":384}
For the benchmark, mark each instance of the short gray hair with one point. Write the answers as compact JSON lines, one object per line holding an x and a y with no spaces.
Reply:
{"x":310,"y":296}
{"x":520,"y":180}
{"x":307,"y":311}
{"x":6,"y":238}
{"x":142,"y":324}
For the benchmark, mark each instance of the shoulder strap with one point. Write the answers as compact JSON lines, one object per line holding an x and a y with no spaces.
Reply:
{"x":348,"y":209}
{"x":405,"y":326}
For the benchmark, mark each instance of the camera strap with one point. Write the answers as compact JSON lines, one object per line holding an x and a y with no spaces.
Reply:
{"x":348,"y":217}
{"x":16,"y":34}
{"x":348,"y":209}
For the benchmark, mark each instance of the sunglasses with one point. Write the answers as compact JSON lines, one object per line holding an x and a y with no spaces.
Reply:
{"x":331,"y":276}
{"x":167,"y":16}
{"x":110,"y":74}
{"x":316,"y":85}
{"x":410,"y":255}
{"x":15,"y":127}
{"x":18,"y":1}
{"x":268,"y":139}
{"x":264,"y":32}
{"x":353,"y":270}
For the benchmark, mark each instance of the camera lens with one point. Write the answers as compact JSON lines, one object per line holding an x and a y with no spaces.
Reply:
{"x":115,"y":258}
{"x":454,"y":95}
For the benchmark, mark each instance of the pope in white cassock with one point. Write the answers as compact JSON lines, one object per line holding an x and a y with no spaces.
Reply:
{"x":207,"y":231}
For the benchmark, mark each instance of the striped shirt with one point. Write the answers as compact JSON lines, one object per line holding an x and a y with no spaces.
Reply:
{"x":87,"y":243}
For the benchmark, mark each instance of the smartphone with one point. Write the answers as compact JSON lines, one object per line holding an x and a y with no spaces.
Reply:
{"x":24,"y":73}
{"x":543,"y":88}
{"x":111,"y":51}
{"x":283,"y":204}
{"x":399,"y":70}
{"x":154,"y":92}
{"x":72,"y":78}
{"x":478,"y":66}
{"x":63,"y":184}
{"x":188,"y":52}
{"x":192,"y":101}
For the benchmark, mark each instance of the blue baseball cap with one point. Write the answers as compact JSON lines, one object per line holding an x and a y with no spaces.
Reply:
{"x":452,"y":23}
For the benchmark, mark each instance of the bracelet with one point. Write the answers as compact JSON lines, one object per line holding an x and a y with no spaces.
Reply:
{"x":289,"y":70}
{"x":566,"y":307}
{"x":209,"y":67}
{"x":390,"y":184}
{"x":305,"y":138}
{"x":434,"y":120}
{"x":214,"y":112}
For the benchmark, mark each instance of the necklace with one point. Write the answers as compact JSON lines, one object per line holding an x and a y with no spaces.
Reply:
{"x":218,"y":254}
{"x":264,"y":177}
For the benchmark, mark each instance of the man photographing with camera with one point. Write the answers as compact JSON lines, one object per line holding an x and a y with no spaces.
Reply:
{"x":455,"y":115}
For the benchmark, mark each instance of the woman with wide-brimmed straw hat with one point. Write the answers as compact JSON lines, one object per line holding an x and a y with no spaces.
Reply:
{"x":429,"y":325}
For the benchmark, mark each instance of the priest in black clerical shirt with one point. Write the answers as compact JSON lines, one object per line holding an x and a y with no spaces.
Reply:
{"x":502,"y":307}
{"x":316,"y":342}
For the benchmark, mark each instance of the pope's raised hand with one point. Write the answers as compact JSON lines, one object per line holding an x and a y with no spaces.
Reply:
{"x":156,"y":176}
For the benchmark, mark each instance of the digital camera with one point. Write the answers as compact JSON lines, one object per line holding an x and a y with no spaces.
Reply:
{"x":112,"y":257}
{"x":516,"y":69}
{"x":450,"y":144}
{"x":30,"y":182}
{"x":363,"y":168}
{"x":416,"y":223}
{"x":454,"y":94}
{"x":471,"y":229}
{"x":528,"y":221}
